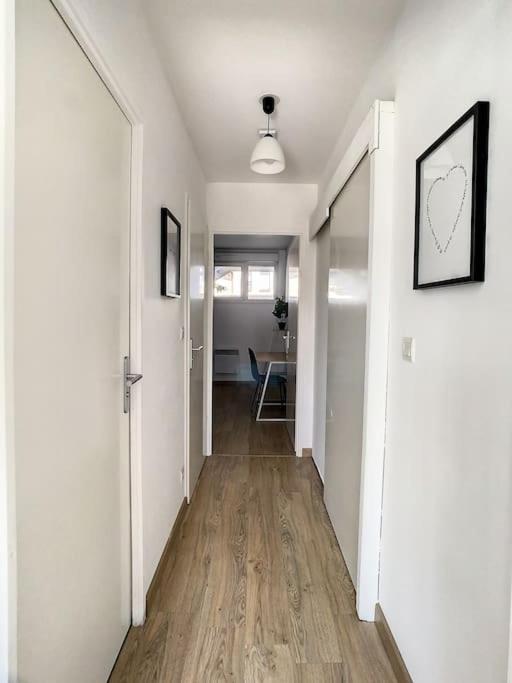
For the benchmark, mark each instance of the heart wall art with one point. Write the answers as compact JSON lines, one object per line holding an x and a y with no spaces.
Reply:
{"x":451,"y":196}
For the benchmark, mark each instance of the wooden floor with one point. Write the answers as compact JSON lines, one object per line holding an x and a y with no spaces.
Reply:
{"x":236,"y":432}
{"x":255,"y":589}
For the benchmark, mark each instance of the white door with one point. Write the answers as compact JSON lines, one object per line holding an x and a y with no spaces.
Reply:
{"x":292,"y":296}
{"x":346,"y":349}
{"x":73,"y":148}
{"x":196,"y":285}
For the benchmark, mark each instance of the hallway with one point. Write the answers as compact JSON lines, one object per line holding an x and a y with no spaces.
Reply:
{"x":255,"y":588}
{"x":204,"y":199}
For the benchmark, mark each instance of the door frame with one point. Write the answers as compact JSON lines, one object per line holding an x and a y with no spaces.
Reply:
{"x":374,"y":137}
{"x":187,"y":356}
{"x":78,"y":28}
{"x":300,"y":384}
{"x":187,"y":339}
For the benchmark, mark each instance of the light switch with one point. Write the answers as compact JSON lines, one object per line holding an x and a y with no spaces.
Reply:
{"x":408,"y":349}
{"x":182,"y":333}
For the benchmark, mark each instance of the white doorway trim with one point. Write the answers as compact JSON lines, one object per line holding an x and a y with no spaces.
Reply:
{"x":78,"y":28}
{"x":375,"y":137}
{"x":208,"y":385}
{"x":300,"y":411}
{"x":185,"y":279}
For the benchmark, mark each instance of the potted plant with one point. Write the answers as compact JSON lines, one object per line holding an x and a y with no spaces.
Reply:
{"x":280,"y":312}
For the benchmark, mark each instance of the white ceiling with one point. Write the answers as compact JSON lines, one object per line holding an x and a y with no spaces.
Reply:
{"x":221,"y":55}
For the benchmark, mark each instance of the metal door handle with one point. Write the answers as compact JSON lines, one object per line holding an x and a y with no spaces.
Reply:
{"x":129,"y":379}
{"x":192,"y":349}
{"x":132,"y":379}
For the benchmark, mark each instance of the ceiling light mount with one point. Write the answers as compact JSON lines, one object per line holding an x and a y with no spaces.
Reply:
{"x":267,"y":157}
{"x":268,"y":102}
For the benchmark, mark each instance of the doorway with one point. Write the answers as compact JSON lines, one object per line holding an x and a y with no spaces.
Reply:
{"x":255,"y":302}
{"x":353,"y":289}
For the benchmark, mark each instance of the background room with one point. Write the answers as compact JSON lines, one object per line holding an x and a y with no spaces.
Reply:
{"x":255,"y":295}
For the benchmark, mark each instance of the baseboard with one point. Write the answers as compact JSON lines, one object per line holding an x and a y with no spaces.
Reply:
{"x":171,"y":541}
{"x":205,"y":458}
{"x":321,"y":481}
{"x":391,"y":648}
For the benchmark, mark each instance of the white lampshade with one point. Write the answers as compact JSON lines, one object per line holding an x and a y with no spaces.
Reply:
{"x":268,"y":157}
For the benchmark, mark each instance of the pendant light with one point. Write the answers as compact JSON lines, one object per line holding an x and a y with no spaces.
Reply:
{"x":267,"y":157}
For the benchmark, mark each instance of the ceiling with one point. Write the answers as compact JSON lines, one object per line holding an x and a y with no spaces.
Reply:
{"x":221,"y":55}
{"x":243,"y":242}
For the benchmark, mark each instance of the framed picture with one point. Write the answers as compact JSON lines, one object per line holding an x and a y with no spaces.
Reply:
{"x":451,"y":196}
{"x":170,"y":254}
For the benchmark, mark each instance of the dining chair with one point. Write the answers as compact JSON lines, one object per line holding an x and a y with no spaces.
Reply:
{"x":273,"y":380}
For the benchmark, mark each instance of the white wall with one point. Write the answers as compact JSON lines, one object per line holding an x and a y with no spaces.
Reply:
{"x":277,"y":208}
{"x":447,"y":523}
{"x":170,"y":169}
{"x":240,"y":325}
{"x":260,"y":208}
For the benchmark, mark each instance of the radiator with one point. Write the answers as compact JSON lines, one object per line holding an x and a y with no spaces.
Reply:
{"x":226,"y":361}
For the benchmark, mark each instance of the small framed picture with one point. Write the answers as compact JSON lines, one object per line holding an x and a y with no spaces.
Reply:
{"x":170,"y":255}
{"x":451,"y":197}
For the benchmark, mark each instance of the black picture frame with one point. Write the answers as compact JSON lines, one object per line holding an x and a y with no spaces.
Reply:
{"x":480,"y":114}
{"x":170,"y":266}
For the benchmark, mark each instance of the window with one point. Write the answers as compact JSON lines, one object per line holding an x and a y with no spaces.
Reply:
{"x":228,"y":282}
{"x":247,"y":281}
{"x":260,"y":282}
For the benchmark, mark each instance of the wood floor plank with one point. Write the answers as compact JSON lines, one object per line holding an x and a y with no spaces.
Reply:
{"x":228,"y":588}
{"x":218,"y":656}
{"x":235,"y":430}
{"x":264,"y":664}
{"x":267,"y":613}
{"x":176,"y":652}
{"x":323,"y":673}
{"x":255,"y":588}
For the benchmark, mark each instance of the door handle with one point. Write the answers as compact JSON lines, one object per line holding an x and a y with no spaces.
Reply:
{"x":129,"y":379}
{"x":132,"y":379}
{"x":192,"y":349}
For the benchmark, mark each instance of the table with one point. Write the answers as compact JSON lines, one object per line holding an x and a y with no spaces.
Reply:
{"x":271,"y":358}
